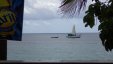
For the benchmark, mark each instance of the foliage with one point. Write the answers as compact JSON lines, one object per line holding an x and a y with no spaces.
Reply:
{"x":103,"y":11}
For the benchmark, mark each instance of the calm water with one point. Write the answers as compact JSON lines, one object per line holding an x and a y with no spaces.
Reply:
{"x":41,"y":47}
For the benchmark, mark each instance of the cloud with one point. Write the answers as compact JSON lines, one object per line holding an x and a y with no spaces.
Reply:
{"x":41,"y":9}
{"x":45,"y":10}
{"x":41,"y":13}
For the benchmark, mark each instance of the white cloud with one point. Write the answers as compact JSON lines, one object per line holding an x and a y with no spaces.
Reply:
{"x":41,"y":9}
{"x":45,"y":9}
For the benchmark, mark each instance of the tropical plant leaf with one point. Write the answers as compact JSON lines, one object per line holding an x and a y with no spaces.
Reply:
{"x":69,"y":7}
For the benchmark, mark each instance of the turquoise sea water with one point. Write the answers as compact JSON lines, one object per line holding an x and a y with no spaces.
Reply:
{"x":41,"y":47}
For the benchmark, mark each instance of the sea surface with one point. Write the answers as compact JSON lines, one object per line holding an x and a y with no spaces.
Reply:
{"x":41,"y":47}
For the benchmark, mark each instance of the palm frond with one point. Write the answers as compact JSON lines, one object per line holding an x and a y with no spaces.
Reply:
{"x":72,"y":6}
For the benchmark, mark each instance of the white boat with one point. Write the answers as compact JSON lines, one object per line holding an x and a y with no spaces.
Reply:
{"x":73,"y":34}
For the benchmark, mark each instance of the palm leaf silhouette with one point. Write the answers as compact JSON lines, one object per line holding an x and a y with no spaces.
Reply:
{"x":70,"y":7}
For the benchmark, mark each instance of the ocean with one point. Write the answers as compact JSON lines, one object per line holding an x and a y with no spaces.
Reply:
{"x":41,"y":47}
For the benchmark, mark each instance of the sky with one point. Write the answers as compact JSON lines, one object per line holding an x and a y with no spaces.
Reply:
{"x":43,"y":16}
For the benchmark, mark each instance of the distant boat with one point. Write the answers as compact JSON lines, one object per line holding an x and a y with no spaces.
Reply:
{"x":55,"y":37}
{"x":73,"y":34}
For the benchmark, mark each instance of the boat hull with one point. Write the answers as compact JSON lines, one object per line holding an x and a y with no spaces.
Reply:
{"x":73,"y":36}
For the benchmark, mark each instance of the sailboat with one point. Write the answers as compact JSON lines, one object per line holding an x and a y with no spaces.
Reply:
{"x":73,"y":34}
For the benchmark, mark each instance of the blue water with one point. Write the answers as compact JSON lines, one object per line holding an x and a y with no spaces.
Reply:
{"x":41,"y":47}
